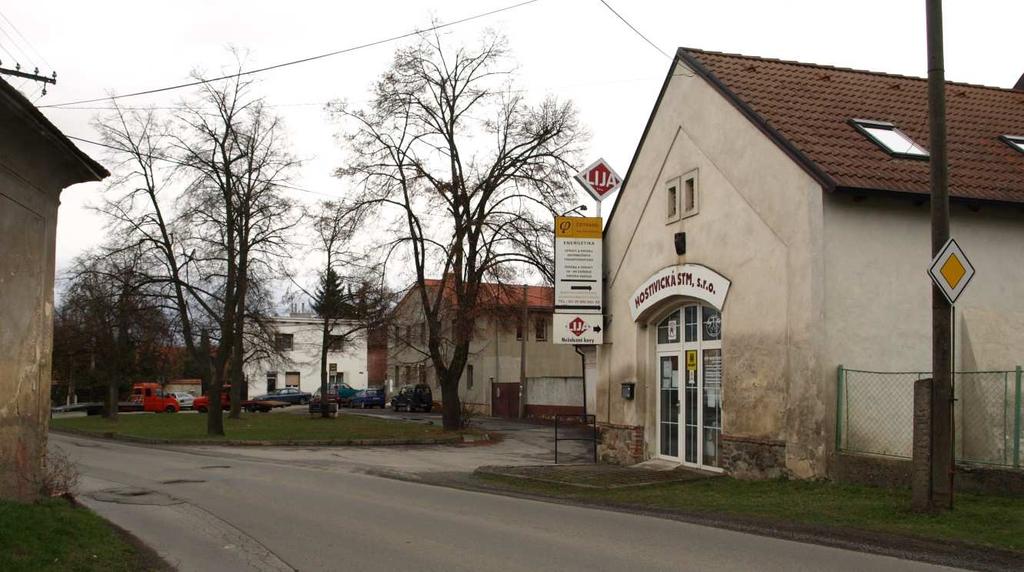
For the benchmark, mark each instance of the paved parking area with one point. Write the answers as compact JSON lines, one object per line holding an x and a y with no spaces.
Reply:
{"x":517,"y":443}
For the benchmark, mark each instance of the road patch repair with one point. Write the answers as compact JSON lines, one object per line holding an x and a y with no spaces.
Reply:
{"x":185,"y":535}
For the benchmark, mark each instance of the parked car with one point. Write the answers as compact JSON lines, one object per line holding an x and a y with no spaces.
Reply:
{"x":368,"y":398}
{"x":340,"y":393}
{"x":151,"y":397}
{"x":185,"y":399}
{"x":202,"y":402}
{"x":291,"y":395}
{"x":413,"y":398}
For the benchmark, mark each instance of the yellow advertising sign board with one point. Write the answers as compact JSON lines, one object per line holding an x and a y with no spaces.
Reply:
{"x":577,"y":227}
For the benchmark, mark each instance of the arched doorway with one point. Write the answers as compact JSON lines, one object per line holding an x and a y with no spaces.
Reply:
{"x":688,"y":362}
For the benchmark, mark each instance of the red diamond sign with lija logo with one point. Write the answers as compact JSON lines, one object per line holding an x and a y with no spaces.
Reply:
{"x":599,"y":179}
{"x":578,"y":326}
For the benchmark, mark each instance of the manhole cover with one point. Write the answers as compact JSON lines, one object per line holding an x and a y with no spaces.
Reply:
{"x":216,"y":467}
{"x":182,"y":481}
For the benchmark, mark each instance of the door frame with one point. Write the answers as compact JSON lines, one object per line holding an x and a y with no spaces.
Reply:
{"x":679,"y":349}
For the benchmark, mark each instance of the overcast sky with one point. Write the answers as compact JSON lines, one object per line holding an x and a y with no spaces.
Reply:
{"x":574,"y":49}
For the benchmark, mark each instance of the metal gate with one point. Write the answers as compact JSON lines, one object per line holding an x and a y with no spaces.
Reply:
{"x":505,"y":400}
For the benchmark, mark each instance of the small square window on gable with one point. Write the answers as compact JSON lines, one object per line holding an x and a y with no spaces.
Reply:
{"x":690,"y":199}
{"x":890,"y":139}
{"x":1015,"y":141}
{"x":672,"y":197}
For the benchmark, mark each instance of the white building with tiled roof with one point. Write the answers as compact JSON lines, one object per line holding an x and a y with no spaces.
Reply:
{"x":802,"y":192}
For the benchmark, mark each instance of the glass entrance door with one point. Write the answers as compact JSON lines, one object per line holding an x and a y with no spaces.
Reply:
{"x":668,"y":427}
{"x":690,"y":417}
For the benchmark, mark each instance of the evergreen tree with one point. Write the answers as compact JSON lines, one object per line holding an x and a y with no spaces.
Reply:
{"x":330,"y":306}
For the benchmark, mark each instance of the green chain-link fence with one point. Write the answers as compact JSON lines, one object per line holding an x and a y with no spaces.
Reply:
{"x":875,"y":409}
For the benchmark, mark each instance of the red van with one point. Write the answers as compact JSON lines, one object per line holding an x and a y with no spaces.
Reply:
{"x":152,"y":397}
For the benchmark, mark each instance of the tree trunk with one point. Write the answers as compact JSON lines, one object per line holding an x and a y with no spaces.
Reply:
{"x":236,"y":381}
{"x":110,"y":411}
{"x":324,"y":342}
{"x":215,"y":416}
{"x":451,"y":409}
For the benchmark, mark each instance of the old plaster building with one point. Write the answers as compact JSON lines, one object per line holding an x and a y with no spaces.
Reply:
{"x":490,"y":383}
{"x":774,"y":224}
{"x":36,"y":163}
{"x":299,"y":338}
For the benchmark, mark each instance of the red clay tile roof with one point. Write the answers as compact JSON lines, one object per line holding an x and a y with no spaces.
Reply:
{"x":809,"y":107}
{"x":509,"y":294}
{"x":501,"y":295}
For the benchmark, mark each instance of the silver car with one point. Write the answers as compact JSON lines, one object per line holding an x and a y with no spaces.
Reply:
{"x":184,"y":399}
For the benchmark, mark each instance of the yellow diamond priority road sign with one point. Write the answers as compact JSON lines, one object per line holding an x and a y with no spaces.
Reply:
{"x":951,"y":271}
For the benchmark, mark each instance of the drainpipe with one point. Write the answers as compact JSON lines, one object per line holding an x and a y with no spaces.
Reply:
{"x":583,"y":371}
{"x":497,"y":363}
{"x":522,"y":354}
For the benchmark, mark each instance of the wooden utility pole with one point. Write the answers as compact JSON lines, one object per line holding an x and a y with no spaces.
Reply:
{"x":942,"y":386}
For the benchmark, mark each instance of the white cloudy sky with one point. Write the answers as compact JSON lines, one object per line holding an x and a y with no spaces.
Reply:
{"x":572,"y":48}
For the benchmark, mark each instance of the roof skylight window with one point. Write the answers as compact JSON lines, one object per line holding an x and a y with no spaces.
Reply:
{"x":1015,"y":141}
{"x":892,"y":140}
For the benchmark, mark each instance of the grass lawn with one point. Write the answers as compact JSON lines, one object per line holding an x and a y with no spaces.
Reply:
{"x":986,"y":520}
{"x":54,"y":535}
{"x":252,"y":427}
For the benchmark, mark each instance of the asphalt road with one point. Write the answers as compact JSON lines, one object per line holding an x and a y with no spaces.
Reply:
{"x":223,"y":509}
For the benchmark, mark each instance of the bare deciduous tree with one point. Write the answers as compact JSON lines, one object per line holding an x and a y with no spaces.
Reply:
{"x":472,"y":173}
{"x":227,"y":225}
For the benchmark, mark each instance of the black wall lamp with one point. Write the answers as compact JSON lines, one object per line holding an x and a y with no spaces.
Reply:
{"x":680,"y":240}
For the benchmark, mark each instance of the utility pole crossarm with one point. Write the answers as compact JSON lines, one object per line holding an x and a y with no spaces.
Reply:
{"x":52,"y":80}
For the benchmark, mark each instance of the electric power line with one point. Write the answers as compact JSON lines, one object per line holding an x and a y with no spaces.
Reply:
{"x":27,"y":43}
{"x":631,"y":27}
{"x":10,"y":41}
{"x":299,"y":61}
{"x":179,"y":163}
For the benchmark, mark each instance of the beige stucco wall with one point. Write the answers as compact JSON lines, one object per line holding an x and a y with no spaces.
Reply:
{"x":34,"y":168}
{"x":878,"y":316}
{"x":28,"y":218}
{"x":759,"y":225}
{"x":494,"y":354}
{"x":878,"y":249}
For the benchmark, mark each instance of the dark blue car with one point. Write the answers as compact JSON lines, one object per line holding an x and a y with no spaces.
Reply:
{"x":368,"y":398}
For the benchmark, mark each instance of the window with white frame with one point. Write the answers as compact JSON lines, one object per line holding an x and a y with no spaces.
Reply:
{"x":1017,"y":142}
{"x":690,"y":194}
{"x":890,"y":139}
{"x":672,"y":200}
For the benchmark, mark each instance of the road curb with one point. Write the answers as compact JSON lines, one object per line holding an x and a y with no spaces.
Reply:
{"x":447,"y":440}
{"x":953,"y":553}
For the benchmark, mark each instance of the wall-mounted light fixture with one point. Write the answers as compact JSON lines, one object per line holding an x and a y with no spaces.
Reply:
{"x":680,"y":240}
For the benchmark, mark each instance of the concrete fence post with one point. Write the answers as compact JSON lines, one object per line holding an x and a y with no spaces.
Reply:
{"x":921,"y":473}
{"x":840,"y":379}
{"x":1016,"y":418}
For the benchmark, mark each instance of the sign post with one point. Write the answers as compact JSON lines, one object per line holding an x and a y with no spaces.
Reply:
{"x":579,"y":276}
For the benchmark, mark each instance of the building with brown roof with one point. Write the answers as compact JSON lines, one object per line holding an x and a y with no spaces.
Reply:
{"x":490,"y":383}
{"x":36,"y":163}
{"x":802,"y":191}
